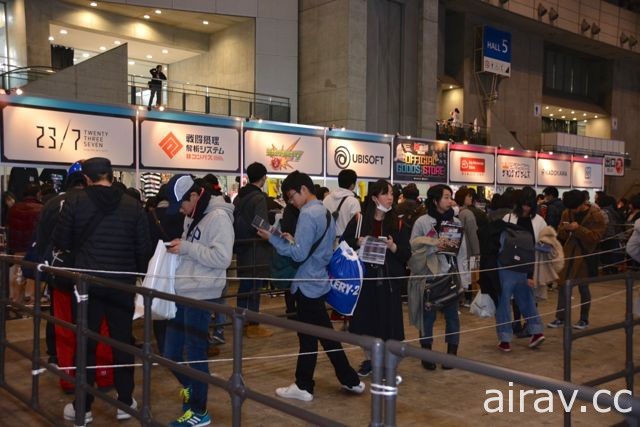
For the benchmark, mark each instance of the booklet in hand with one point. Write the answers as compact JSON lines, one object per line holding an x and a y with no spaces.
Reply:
{"x":450,"y":237}
{"x":263,"y":224}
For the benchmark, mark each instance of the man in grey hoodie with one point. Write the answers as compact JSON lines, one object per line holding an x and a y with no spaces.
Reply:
{"x":205,"y":251}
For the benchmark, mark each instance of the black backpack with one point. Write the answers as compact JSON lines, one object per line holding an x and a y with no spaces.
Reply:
{"x":517,"y":251}
{"x":335,"y":214}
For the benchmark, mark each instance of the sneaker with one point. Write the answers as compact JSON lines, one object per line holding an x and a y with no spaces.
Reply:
{"x":581,"y":325}
{"x":356,"y":389}
{"x":293,"y":392}
{"x":556,"y":324}
{"x":191,"y":419}
{"x":122,"y":415}
{"x":504,"y":346}
{"x":365,"y":368}
{"x":257,"y":331}
{"x":69,"y":414}
{"x":185,"y":395}
{"x":217,"y":338}
{"x":536,"y":340}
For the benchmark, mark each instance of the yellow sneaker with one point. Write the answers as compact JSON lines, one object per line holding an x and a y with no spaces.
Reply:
{"x":257,"y":331}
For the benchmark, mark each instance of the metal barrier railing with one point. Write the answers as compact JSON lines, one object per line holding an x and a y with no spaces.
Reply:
{"x":627,"y":324}
{"x":385,"y":357}
{"x":235,"y":385}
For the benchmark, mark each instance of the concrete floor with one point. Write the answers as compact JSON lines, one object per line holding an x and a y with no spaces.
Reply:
{"x":443,"y":398}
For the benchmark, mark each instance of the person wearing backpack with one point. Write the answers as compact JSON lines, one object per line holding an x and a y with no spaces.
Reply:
{"x":581,"y":229}
{"x":251,"y":202}
{"x":516,"y":280}
{"x":342,"y":202}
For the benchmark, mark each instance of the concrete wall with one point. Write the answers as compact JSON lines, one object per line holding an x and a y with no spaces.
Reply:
{"x":429,"y":60}
{"x":17,"y":33}
{"x":102,"y":78}
{"x":598,"y":128}
{"x":449,"y":100}
{"x":229,"y":63}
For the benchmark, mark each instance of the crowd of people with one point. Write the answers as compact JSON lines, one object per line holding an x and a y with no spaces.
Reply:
{"x":109,"y":229}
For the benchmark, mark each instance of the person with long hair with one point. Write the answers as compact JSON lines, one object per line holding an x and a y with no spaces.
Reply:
{"x":439,"y":210}
{"x":379,"y":309}
{"x":205,"y":250}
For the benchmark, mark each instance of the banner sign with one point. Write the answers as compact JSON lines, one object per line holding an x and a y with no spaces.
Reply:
{"x":368,"y":159}
{"x":554,"y":172}
{"x":586,"y":175}
{"x":496,"y":51}
{"x":416,"y":160}
{"x":189,"y":147}
{"x":37,"y":135}
{"x":614,"y":165}
{"x":472,"y":167}
{"x":283,"y":153}
{"x":514,"y":170}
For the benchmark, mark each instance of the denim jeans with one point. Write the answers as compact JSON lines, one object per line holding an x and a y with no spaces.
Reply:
{"x":188,"y":333}
{"x":252,"y":302}
{"x":515,"y":284}
{"x":452,"y":320}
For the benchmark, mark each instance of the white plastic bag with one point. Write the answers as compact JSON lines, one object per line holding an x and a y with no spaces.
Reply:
{"x":160,"y":277}
{"x":483,"y":306}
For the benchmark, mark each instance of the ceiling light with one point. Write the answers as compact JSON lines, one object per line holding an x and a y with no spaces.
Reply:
{"x":165,"y":51}
{"x":132,"y":62}
{"x":563,"y":117}
{"x":560,"y":109}
{"x":573,"y":112}
{"x":595,"y":117}
{"x":85,"y":55}
{"x":546,"y":108}
{"x":19,"y":91}
{"x":551,"y":153}
{"x":586,"y":156}
{"x":551,"y":115}
{"x":146,"y":16}
{"x":149,"y":57}
{"x":102,"y":48}
{"x":118,"y":42}
{"x":584,"y":114}
{"x":63,"y":32}
{"x":51,"y":38}
{"x":585,"y":120}
{"x":158,"y":12}
{"x":511,"y":148}
{"x":93,"y":4}
{"x":450,"y":86}
{"x":205,"y":22}
{"x":573,"y":118}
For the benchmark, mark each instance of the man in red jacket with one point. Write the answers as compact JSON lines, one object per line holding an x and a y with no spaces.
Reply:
{"x":22,"y":221}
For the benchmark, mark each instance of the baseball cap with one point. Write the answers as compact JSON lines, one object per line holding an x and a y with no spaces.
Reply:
{"x":177,"y":187}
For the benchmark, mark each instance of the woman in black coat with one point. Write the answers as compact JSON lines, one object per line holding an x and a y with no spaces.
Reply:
{"x":379,"y":309}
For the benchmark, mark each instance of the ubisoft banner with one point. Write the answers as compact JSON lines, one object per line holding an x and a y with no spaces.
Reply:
{"x":513,"y":170}
{"x":368,"y":159}
{"x":186,"y":146}
{"x":419,"y":161}
{"x":283,"y":153}
{"x":47,"y":136}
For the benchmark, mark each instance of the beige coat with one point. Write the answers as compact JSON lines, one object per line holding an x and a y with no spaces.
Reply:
{"x":547,"y":265}
{"x":423,"y":261}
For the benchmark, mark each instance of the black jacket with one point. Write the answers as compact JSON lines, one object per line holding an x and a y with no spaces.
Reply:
{"x":489,"y":237}
{"x":120,"y":242}
{"x":48,"y":220}
{"x":251,"y":201}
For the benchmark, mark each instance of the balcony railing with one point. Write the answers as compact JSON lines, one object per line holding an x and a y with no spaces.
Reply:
{"x":197,"y":98}
{"x":446,"y":130}
{"x":578,"y":144}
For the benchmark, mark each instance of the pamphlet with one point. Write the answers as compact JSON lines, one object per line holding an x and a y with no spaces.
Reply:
{"x":263,"y":224}
{"x":373,"y":250}
{"x":450,"y":237}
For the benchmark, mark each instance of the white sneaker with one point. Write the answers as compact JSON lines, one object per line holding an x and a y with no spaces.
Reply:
{"x":356,"y":389}
{"x":69,"y":414}
{"x":122,"y":415}
{"x":293,"y":392}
